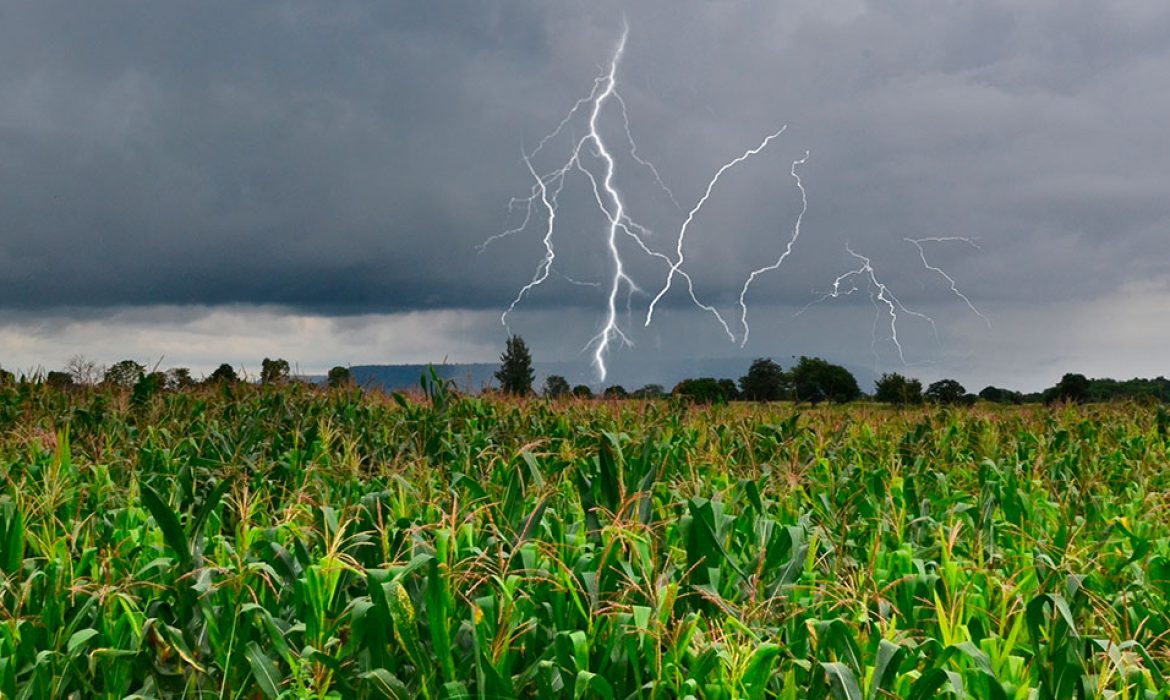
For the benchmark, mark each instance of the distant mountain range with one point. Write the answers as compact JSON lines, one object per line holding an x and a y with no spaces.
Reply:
{"x":474,"y":377}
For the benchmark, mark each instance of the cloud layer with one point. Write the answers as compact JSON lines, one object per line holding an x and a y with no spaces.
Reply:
{"x":345,"y":161}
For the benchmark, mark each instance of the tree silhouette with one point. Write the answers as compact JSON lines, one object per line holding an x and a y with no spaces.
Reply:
{"x":59,"y":380}
{"x":897,"y":389}
{"x":556,"y":386}
{"x":617,"y":391}
{"x":1072,"y":387}
{"x":223,"y":374}
{"x":339,"y":377}
{"x":946,"y":391}
{"x":515,"y":374}
{"x":274,"y":371}
{"x":650,"y":391}
{"x":706,"y":390}
{"x":179,"y":378}
{"x":764,"y":381}
{"x":125,"y":373}
{"x":814,"y":379}
{"x":83,"y":370}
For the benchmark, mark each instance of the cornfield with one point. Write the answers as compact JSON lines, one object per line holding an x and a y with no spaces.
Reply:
{"x":288,"y":542}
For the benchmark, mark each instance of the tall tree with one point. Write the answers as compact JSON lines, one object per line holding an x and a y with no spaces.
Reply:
{"x":814,"y":379}
{"x":650,"y":391}
{"x":515,"y":374}
{"x":274,"y":371}
{"x":997,"y":394}
{"x":706,"y":390}
{"x":339,"y":377}
{"x":556,"y":386}
{"x":946,"y":391}
{"x":764,"y":381}
{"x":1072,"y":387}
{"x":617,"y":391}
{"x":898,"y":389}
{"x":179,"y":378}
{"x":125,"y":373}
{"x":223,"y":374}
{"x":59,"y":380}
{"x":83,"y":370}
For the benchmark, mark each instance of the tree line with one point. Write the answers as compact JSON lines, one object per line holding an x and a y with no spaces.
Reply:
{"x":809,"y":380}
{"x":813,"y":379}
{"x":81,"y":371}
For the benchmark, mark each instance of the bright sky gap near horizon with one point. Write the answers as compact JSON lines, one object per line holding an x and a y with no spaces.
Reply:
{"x":216,"y":182}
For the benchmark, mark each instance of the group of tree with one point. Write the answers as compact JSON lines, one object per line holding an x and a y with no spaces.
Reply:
{"x":813,"y":379}
{"x":129,"y":374}
{"x":810,"y":380}
{"x":894,"y":388}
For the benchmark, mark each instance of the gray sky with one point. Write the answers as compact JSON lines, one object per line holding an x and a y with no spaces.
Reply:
{"x":223,"y":181}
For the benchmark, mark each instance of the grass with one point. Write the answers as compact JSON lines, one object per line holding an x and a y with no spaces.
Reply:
{"x":259,"y":542}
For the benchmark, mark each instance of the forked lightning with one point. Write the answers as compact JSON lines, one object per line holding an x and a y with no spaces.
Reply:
{"x":547,"y":188}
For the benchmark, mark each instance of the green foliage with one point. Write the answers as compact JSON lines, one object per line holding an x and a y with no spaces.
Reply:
{"x":815,"y":380}
{"x":124,"y":374}
{"x":706,"y":390}
{"x":1077,"y":388}
{"x":649,"y":391}
{"x":1072,"y":387}
{"x":59,"y":380}
{"x":224,"y":374}
{"x":894,"y":388}
{"x":515,"y":374}
{"x":179,"y":378}
{"x":274,"y":371}
{"x":582,"y":391}
{"x":339,"y":377}
{"x":617,"y":391}
{"x":947,"y":392}
{"x":997,"y":395}
{"x":294,"y":543}
{"x":556,"y":386}
{"x":764,"y":381}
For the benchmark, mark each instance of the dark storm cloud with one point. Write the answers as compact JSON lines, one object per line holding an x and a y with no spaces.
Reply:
{"x":347,"y":158}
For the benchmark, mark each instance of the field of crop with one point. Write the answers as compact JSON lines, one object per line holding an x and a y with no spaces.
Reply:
{"x":262,"y":542}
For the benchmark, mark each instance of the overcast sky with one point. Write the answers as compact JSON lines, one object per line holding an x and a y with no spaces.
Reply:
{"x":223,"y":181}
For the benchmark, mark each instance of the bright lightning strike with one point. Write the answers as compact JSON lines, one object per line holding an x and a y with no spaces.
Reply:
{"x":878,"y":292}
{"x":780,"y":260}
{"x":587,"y":150}
{"x":676,"y":266}
{"x":917,"y":243}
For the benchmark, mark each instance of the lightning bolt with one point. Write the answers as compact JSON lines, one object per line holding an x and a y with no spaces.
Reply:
{"x":545,"y":266}
{"x":676,"y":266}
{"x":590,"y":148}
{"x":610,"y":331}
{"x":878,"y":292}
{"x":780,"y":260}
{"x":917,"y":243}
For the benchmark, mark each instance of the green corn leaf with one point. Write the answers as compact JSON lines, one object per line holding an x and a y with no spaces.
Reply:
{"x":385,"y":684}
{"x":889,"y":658}
{"x":531,"y":522}
{"x":264,"y":670}
{"x":759,"y":670}
{"x":79,"y":640}
{"x":591,"y":685}
{"x":168,"y":522}
{"x":842,"y":683}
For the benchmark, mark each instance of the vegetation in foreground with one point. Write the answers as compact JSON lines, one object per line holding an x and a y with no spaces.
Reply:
{"x":263,"y":542}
